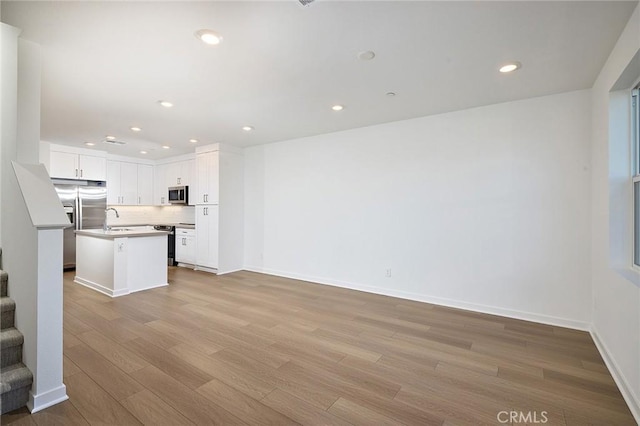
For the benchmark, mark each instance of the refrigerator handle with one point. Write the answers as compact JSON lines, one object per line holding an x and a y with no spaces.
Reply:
{"x":78,"y":214}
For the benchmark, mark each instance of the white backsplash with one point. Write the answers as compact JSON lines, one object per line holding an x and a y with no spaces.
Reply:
{"x":151,"y":215}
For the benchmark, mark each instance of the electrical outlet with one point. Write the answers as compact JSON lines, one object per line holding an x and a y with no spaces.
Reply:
{"x":388,"y":273}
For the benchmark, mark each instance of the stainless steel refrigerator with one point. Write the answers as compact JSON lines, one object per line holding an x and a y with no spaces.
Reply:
{"x":85,"y":203}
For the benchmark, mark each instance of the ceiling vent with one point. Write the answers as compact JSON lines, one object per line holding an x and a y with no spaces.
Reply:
{"x":305,"y":2}
{"x":114,"y":142}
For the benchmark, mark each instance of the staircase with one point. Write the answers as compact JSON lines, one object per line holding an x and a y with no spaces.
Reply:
{"x":15,"y":378}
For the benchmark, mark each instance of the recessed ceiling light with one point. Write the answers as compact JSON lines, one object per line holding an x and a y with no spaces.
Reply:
{"x":89,"y":143}
{"x":337,"y":107}
{"x":110,"y":138}
{"x":193,"y":140}
{"x":209,"y":37}
{"x":247,"y":128}
{"x":510,"y":67}
{"x":165,"y":147}
{"x":143,"y":152}
{"x":165,"y":104}
{"x":366,"y":56}
{"x":136,"y":129}
{"x":391,"y":94}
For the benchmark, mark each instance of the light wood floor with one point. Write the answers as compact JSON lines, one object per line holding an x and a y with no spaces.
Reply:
{"x":247,"y":348}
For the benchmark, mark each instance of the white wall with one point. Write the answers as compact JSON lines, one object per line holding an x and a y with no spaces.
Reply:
{"x":486,"y":208}
{"x":616,"y":298}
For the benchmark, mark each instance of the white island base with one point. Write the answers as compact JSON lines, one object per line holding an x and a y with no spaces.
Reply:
{"x":119,"y":263}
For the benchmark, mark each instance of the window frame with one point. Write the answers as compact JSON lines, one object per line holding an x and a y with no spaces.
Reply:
{"x":635,"y":170}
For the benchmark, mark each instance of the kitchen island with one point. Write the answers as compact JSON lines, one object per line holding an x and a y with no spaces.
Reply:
{"x":121,"y":261}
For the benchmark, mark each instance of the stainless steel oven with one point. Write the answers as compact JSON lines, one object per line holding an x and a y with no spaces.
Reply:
{"x":171,"y":242}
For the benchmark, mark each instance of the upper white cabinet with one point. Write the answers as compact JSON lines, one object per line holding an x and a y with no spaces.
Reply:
{"x":68,"y":165}
{"x":207,"y":177}
{"x":145,"y":184}
{"x":122,"y":183}
{"x":129,"y":183}
{"x":176,"y":173}
{"x":180,"y":173}
{"x":160,"y":192}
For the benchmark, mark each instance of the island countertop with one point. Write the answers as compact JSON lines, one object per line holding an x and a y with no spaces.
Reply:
{"x":120,"y":233}
{"x":121,"y":261}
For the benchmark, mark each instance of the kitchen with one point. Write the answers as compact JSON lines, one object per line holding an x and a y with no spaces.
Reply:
{"x":180,"y":201}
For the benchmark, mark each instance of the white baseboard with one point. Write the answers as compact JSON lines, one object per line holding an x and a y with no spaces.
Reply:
{"x":99,"y":288}
{"x":146,"y":288}
{"x":205,"y":269}
{"x":47,"y":399}
{"x":229,"y":271}
{"x":629,"y":396}
{"x":493,"y":310}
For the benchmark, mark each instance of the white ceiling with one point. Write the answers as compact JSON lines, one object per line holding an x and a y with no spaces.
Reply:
{"x":282,"y":66}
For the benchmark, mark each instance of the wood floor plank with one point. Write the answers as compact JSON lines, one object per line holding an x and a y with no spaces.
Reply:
{"x":357,"y":414}
{"x":242,"y":406}
{"x":299,"y":410}
{"x":63,"y":414}
{"x":113,"y":380}
{"x":95,"y":404}
{"x":69,"y":367}
{"x":151,"y":410}
{"x":169,"y":363}
{"x":186,"y":401}
{"x":117,"y":354}
{"x":248,"y":348}
{"x":235,"y":377}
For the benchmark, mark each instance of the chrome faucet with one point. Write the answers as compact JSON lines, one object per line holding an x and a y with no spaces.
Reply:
{"x":106,"y":212}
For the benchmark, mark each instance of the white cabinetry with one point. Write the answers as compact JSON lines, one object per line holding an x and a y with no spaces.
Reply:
{"x":207,"y":236}
{"x":129,"y":183}
{"x":160,"y":193}
{"x":207,"y":177}
{"x":145,"y":184}
{"x":219,"y":208}
{"x":180,"y":173}
{"x":186,"y":246}
{"x":122,"y":183}
{"x":68,"y":165}
{"x":176,"y":173}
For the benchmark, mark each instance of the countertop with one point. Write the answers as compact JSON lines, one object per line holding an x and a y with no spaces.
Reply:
{"x":120,"y":233}
{"x":177,"y":225}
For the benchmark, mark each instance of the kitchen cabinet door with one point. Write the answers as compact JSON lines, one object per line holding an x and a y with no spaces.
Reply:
{"x":63,"y":165}
{"x":92,"y":168}
{"x":185,"y":246}
{"x":113,"y":182}
{"x":207,"y":236}
{"x":207,"y":177}
{"x":129,"y":183}
{"x":145,"y":185}
{"x":160,"y":196}
{"x":174,"y":172}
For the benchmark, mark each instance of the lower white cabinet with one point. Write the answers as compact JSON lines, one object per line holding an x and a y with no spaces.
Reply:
{"x":207,"y":235}
{"x":186,"y":246}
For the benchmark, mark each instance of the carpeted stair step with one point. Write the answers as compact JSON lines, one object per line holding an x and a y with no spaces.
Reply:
{"x":10,"y":347}
{"x":15,"y":383}
{"x":7,"y":312}
{"x":4,"y":280}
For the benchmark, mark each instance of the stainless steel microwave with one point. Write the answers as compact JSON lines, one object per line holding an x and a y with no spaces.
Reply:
{"x":179,"y":195}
